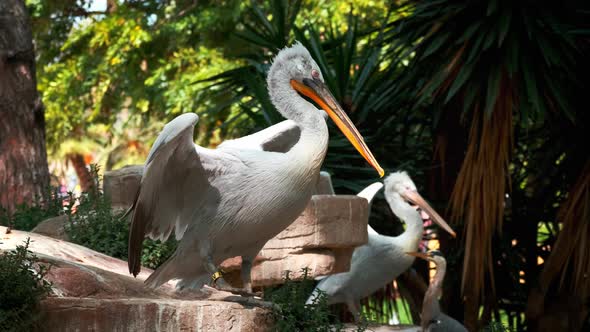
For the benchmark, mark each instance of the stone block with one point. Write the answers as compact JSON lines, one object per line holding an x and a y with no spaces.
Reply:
{"x":271,"y":265}
{"x":324,"y":185}
{"x":328,"y":221}
{"x":121,"y":185}
{"x":53,"y":227}
{"x":137,"y":314}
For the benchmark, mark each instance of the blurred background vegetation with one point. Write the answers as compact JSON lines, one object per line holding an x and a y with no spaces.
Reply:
{"x":483,"y":103}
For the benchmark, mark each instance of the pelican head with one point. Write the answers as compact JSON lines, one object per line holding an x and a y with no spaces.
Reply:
{"x":294,"y":73}
{"x":404,"y":199}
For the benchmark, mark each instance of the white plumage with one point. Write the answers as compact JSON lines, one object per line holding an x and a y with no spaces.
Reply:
{"x":230,"y":201}
{"x":383,"y":258}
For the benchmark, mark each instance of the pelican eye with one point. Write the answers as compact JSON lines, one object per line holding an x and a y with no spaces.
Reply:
{"x":315,"y":73}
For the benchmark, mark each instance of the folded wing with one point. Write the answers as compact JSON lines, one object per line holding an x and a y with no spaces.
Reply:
{"x":278,"y":138}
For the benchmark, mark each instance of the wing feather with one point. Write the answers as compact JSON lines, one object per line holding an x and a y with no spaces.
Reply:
{"x":174,"y":177}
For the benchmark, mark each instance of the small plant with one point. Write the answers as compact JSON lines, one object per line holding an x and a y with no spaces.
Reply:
{"x":496,"y":327}
{"x":294,"y":315}
{"x":95,"y":225}
{"x":26,"y":217}
{"x":22,"y":286}
{"x":156,"y":252}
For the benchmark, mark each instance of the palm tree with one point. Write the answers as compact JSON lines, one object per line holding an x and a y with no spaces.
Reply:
{"x":486,"y":71}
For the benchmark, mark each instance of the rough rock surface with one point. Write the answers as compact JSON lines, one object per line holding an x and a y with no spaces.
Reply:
{"x":324,"y":185}
{"x":53,"y":227}
{"x":94,"y":292}
{"x":328,"y":221}
{"x":137,"y":314}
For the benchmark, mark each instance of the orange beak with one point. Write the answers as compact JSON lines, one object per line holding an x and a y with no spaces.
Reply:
{"x":413,"y":197}
{"x":319,"y":93}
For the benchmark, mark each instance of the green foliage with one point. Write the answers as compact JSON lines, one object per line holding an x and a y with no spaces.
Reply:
{"x":381,"y":309}
{"x":465,"y":58}
{"x":21,"y":288}
{"x":156,"y":252}
{"x":138,"y":58}
{"x":292,"y":314}
{"x":26,"y":217}
{"x":496,"y":327}
{"x":477,"y":54}
{"x":105,"y":74}
{"x":91,"y":223}
{"x":95,"y":225}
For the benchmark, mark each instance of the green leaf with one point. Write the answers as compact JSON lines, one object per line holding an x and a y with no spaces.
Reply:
{"x":475,"y":48}
{"x":469,"y":32}
{"x":489,"y":39}
{"x":432,"y":85}
{"x":492,"y":6}
{"x":492,"y":91}
{"x":530,"y":84}
{"x":460,"y":79}
{"x":504,"y":26}
{"x":558,"y":94}
{"x":469,"y":97}
{"x":435,"y":44}
{"x":512,"y":56}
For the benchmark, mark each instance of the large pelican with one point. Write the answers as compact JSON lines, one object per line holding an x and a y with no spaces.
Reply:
{"x":230,"y":201}
{"x":432,"y":319}
{"x":383,"y":258}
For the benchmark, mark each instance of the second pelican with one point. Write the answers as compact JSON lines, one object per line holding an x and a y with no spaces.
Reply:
{"x":383,"y":258}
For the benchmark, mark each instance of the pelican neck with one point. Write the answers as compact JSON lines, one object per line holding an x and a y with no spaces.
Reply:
{"x":412,"y":235}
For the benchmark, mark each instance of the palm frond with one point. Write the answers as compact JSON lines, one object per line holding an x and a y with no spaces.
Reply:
{"x":569,"y":261}
{"x":495,"y":61}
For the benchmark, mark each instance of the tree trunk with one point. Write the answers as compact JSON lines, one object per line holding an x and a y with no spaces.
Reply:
{"x":84,"y":176}
{"x":24,"y":175}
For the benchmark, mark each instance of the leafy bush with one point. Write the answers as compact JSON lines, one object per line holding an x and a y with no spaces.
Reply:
{"x":294,"y":315}
{"x":26,"y":217}
{"x":496,"y":327}
{"x":156,"y":252}
{"x":95,"y":225}
{"x":21,"y":289}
